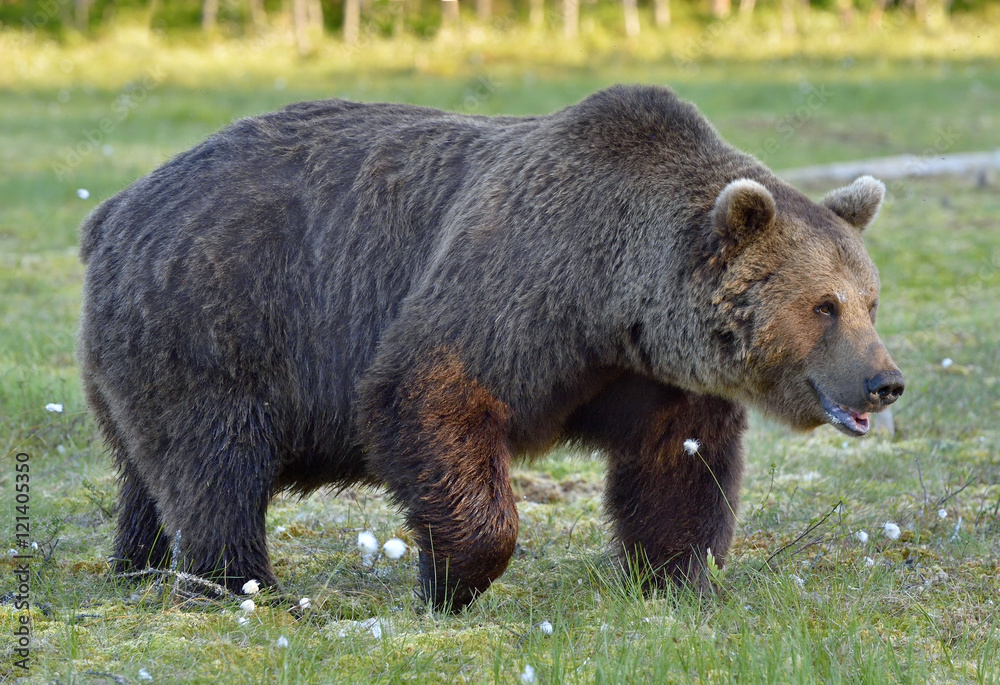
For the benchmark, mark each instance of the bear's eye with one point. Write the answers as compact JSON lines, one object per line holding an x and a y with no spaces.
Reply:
{"x":826,"y":309}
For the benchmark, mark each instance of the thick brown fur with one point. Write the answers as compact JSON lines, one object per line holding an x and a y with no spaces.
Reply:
{"x":338,"y":293}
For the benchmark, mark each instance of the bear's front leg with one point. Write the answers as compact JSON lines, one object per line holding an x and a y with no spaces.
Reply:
{"x":669,"y":502}
{"x":438,"y":440}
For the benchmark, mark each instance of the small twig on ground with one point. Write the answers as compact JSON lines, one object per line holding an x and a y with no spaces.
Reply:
{"x":948,"y":497}
{"x":805,"y":533}
{"x":184,"y":577}
{"x":521,"y":637}
{"x":52,"y":551}
{"x":811,"y":543}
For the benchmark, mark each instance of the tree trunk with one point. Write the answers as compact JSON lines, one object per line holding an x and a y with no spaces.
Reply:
{"x":398,"y":17}
{"x":449,"y":14}
{"x":721,"y":8}
{"x":314,"y":11}
{"x":875,"y":14}
{"x":846,"y":10}
{"x":300,"y":23}
{"x":81,"y":12}
{"x":661,"y":13}
{"x":154,"y":7}
{"x":631,"y":18}
{"x":209,"y":14}
{"x":352,"y":21}
{"x":788,"y":16}
{"x":746,"y":8}
{"x":571,"y":19}
{"x":536,"y":14}
{"x":257,"y":14}
{"x":484,"y":9}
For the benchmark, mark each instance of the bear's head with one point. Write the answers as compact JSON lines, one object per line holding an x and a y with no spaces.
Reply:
{"x":797,"y":276}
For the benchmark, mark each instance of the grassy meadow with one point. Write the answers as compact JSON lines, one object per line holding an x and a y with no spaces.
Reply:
{"x":803,"y":599}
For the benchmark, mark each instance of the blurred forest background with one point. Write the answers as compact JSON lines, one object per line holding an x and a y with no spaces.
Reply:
{"x":97,"y":93}
{"x":354,"y":20}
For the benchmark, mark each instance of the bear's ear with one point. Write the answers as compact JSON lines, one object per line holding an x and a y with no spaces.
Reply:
{"x":743,"y":210}
{"x":859,"y":203}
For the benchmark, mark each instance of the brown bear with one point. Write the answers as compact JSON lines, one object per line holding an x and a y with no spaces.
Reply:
{"x":392,"y":295}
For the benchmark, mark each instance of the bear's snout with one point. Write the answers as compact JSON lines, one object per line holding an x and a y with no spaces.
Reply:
{"x":885,"y":388}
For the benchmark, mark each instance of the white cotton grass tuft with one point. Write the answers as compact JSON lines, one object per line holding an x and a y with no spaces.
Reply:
{"x":942,"y":513}
{"x":305,"y":603}
{"x":869,"y":562}
{"x":545,"y":627}
{"x":248,"y":606}
{"x":242,"y":621}
{"x":691,"y":446}
{"x":367,"y":543}
{"x":891,"y":530}
{"x":797,"y":580}
{"x":144,"y":675}
{"x":278,"y":530}
{"x":82,"y":193}
{"x":946,"y":362}
{"x":54,"y":408}
{"x":282,"y":642}
{"x":251,"y":587}
{"x":861,"y":536}
{"x":528,"y":675}
{"x":394,"y":548}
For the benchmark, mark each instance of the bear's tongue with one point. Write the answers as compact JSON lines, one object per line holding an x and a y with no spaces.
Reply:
{"x":860,"y":420}
{"x":855,"y":423}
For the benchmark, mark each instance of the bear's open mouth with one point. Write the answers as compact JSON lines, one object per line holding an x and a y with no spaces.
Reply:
{"x":844,"y":418}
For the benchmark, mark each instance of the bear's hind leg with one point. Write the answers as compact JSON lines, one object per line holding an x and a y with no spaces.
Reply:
{"x":674,"y":474}
{"x":139,"y":542}
{"x":139,"y":538}
{"x":216,"y":494}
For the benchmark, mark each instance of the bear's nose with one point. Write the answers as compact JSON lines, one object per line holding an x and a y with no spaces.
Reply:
{"x":885,"y":388}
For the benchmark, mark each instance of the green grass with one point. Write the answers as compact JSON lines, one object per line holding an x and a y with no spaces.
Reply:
{"x":926,"y":610}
